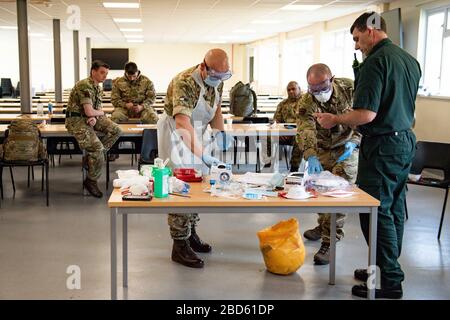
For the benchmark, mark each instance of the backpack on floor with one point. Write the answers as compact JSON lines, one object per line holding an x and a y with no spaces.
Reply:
{"x":23,"y":142}
{"x":242,"y":100}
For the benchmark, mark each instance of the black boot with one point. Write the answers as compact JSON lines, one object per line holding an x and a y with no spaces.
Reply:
{"x":92,"y":187}
{"x":322,"y":257}
{"x":361,"y":275}
{"x":182,"y":253}
{"x":197,"y":244}
{"x":313,"y":234}
{"x":394,"y":292}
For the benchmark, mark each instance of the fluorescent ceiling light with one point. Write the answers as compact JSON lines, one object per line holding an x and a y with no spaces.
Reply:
{"x":121,"y":5}
{"x":126,"y":20}
{"x":135,"y":41}
{"x":135,"y":36}
{"x":34,"y":34}
{"x":301,"y":7}
{"x":244,"y":31}
{"x":218,"y":41}
{"x":8,"y":27}
{"x":266,"y":21}
{"x":130,"y":29}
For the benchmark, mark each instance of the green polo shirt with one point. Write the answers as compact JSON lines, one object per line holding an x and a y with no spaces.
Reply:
{"x":387,"y":83}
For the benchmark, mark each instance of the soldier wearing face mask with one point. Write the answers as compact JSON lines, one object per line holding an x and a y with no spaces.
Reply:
{"x":327,"y":149}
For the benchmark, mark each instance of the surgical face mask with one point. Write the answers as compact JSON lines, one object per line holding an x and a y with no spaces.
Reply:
{"x":323,"y":97}
{"x":212,"y":82}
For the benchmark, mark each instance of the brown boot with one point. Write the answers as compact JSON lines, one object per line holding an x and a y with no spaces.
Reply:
{"x":182,"y":253}
{"x":92,"y":187}
{"x":197,"y":244}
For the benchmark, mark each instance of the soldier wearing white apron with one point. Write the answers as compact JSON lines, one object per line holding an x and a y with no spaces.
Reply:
{"x":192,"y":103}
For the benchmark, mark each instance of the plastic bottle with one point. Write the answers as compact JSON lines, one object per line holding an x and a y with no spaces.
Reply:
{"x":40,"y":109}
{"x":50,"y":107}
{"x":161,"y":182}
{"x":212,"y":188}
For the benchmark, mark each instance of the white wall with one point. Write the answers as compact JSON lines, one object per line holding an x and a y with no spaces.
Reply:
{"x":161,"y":62}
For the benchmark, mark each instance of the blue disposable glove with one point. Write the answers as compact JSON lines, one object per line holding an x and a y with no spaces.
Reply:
{"x":210,"y":161}
{"x":314,"y":165}
{"x":349,"y":147}
{"x":224,"y":141}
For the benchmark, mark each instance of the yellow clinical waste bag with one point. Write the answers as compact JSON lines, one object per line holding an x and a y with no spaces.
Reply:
{"x":282,"y":247}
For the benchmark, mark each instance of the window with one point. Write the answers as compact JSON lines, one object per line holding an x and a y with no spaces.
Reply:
{"x":437,"y":53}
{"x":267,"y":68}
{"x":298,"y":57}
{"x":337,"y":51}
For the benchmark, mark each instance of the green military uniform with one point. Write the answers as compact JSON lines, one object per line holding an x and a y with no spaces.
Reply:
{"x":287,"y":113}
{"x":329,"y":144}
{"x":182,"y":97}
{"x":87,"y":92}
{"x":139,"y":92}
{"x":387,"y":83}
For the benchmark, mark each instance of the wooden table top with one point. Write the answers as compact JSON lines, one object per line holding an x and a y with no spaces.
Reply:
{"x":203,"y":199}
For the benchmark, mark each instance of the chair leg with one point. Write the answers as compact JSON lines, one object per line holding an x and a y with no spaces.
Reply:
{"x":47,"y":183}
{"x":42,"y":179}
{"x":12,"y":180}
{"x":406,"y":210}
{"x":443,"y":213}
{"x":107,"y":172}
{"x":28,"y":184}
{"x":32,"y":173}
{"x":1,"y":180}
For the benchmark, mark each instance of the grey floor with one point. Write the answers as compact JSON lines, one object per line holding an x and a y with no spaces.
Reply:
{"x":38,"y":244}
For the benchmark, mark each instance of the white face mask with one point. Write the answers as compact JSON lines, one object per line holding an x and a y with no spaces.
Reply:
{"x":323,"y":97}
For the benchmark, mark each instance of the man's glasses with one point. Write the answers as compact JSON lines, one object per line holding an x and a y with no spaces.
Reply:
{"x":222,"y":76}
{"x":322,"y":87}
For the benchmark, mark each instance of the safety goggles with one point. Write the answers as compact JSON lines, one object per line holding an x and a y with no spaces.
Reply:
{"x":322,"y":87}
{"x":222,"y":76}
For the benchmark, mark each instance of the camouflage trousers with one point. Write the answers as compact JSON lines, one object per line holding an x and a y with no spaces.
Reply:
{"x":87,"y":140}
{"x":181,"y":224}
{"x":346,"y":169}
{"x":148,"y":115}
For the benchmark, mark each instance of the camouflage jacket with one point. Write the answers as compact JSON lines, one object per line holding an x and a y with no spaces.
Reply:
{"x":311,"y":137}
{"x":183,"y":93}
{"x":141,"y":91}
{"x":85,"y":92}
{"x":287,"y":111}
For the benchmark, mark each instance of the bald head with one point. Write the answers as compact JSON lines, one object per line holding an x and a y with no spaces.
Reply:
{"x":217,"y":59}
{"x":318,"y":73}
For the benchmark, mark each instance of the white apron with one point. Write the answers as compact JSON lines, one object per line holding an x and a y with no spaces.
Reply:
{"x":170,"y":145}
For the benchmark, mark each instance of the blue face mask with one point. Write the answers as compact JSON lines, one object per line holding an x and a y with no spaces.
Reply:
{"x":212,"y":82}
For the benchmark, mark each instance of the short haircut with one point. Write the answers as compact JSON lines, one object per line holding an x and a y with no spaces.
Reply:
{"x":131,"y":68}
{"x":96,"y":64}
{"x":320,"y":68}
{"x":369,"y":19}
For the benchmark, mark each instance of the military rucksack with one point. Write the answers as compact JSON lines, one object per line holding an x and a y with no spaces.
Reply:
{"x":23,"y":142}
{"x":243,"y":101}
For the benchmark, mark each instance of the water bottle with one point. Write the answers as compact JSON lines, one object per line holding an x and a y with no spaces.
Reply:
{"x":212,"y":184}
{"x":50,"y":107}
{"x":40,"y":109}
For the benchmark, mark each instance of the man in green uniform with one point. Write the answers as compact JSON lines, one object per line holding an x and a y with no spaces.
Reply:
{"x":384,"y":102}
{"x":84,"y":116}
{"x":330,"y":149}
{"x":192,"y":103}
{"x":287,"y":113}
{"x":132,"y":96}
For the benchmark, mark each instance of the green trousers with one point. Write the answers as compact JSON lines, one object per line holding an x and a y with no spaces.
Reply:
{"x":384,"y":164}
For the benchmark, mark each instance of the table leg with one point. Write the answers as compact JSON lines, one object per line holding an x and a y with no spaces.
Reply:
{"x":373,"y":250}
{"x":113,"y":255}
{"x":332,"y":249}
{"x":125,"y":249}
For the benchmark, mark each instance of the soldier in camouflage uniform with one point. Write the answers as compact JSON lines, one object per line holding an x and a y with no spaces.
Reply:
{"x":287,"y":113}
{"x":192,"y":102}
{"x":133,"y":96}
{"x":84,"y":116}
{"x":328,"y":149}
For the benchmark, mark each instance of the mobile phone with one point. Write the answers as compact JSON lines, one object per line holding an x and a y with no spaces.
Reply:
{"x":290,"y":126}
{"x":130,"y":197}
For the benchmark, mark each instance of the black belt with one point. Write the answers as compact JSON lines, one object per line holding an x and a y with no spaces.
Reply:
{"x":70,"y":114}
{"x":389,"y":134}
